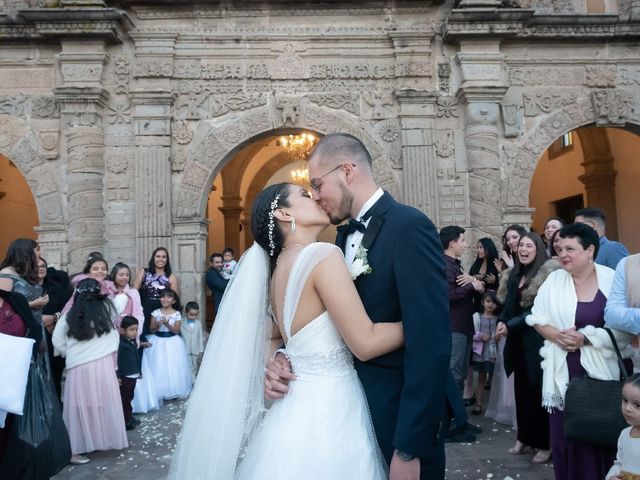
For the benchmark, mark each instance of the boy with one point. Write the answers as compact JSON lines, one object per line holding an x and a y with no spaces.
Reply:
{"x":128,"y":367}
{"x":191,"y":332}
{"x":229,"y":264}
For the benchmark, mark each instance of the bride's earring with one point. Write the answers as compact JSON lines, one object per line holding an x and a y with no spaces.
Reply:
{"x":293,"y":226}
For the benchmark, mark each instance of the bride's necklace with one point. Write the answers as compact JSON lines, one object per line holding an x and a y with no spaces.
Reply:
{"x":294,"y":244}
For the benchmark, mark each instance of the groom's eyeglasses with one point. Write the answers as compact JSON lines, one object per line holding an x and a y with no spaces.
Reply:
{"x":316,"y":182}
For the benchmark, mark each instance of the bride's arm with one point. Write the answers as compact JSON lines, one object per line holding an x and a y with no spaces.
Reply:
{"x":365,"y":339}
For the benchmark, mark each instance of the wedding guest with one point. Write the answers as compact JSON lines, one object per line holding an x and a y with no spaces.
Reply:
{"x":152,"y":281}
{"x":462,"y":288}
{"x":86,"y":337}
{"x":569,"y":313}
{"x":229,"y":264}
{"x":509,"y":252}
{"x":610,"y":252}
{"x":518,"y":289}
{"x":484,"y":346}
{"x":551,"y":226}
{"x":125,"y":299}
{"x":215,"y":281}
{"x":16,"y":319}
{"x":96,"y":268}
{"x":128,"y":367}
{"x":56,"y":284}
{"x":191,"y":333}
{"x":168,"y":360}
{"x":623,"y":304}
{"x":627,"y":463}
{"x":483,"y":267}
{"x":91,"y":256}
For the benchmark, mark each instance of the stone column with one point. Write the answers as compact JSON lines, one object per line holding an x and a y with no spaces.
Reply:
{"x":417,"y":115}
{"x":152,"y":127}
{"x":190,"y":247}
{"x":82,"y":101}
{"x":483,"y":87}
{"x":231,"y":210}
{"x":599,"y":176}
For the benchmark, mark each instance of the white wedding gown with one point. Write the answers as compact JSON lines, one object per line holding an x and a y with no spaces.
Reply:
{"x":321,"y":429}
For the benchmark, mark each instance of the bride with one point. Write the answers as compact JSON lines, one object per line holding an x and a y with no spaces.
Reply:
{"x":322,"y":428}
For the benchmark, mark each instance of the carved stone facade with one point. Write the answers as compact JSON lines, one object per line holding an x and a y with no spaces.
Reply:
{"x":122,"y":118}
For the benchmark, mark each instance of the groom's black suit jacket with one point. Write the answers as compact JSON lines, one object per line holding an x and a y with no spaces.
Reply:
{"x":406,"y":389}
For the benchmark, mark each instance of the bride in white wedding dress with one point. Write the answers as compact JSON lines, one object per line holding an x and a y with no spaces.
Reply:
{"x":322,"y":428}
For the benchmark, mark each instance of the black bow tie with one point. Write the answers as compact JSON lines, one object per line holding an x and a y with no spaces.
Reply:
{"x":351,"y":227}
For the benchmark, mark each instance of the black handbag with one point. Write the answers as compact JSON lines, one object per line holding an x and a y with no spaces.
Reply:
{"x":592,"y":408}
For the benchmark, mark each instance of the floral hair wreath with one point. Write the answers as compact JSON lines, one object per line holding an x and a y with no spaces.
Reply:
{"x":273,"y":206}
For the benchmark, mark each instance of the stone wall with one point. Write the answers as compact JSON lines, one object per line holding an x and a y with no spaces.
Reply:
{"x":120,"y":119}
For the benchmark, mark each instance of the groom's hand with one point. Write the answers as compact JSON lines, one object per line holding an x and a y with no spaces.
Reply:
{"x":277,"y":376}
{"x":402,"y":470}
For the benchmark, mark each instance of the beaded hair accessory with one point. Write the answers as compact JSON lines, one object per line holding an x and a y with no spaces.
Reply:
{"x":274,"y":205}
{"x":88,"y":290}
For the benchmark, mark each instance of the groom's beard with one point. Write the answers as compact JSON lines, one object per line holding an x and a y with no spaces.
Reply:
{"x":344,"y":209}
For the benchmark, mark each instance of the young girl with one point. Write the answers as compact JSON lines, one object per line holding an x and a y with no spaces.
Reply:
{"x":484,"y":346}
{"x":92,"y":408}
{"x":627,"y":463}
{"x":168,"y":360}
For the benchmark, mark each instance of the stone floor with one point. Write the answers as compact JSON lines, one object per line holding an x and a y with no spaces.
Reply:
{"x":151,"y":446}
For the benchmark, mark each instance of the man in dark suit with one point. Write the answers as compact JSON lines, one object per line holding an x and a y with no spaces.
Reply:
{"x":405,"y":389}
{"x":215,"y":281}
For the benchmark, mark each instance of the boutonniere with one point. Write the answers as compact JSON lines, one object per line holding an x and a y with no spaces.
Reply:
{"x":360,"y":265}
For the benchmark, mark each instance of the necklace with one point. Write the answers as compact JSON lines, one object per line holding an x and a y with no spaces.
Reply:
{"x":285,"y":247}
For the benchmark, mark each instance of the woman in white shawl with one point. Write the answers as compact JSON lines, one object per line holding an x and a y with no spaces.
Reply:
{"x":569,"y":313}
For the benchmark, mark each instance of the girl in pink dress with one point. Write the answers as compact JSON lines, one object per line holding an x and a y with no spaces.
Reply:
{"x":87,"y":338}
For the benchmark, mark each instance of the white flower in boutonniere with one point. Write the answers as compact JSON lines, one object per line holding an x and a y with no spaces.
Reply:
{"x":360,"y":265}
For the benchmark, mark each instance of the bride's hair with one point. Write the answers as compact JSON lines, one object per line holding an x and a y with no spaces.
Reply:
{"x":260,"y":219}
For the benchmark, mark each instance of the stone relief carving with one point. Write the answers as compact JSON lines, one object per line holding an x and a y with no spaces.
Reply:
{"x":11,"y":131}
{"x":209,"y":71}
{"x":182,"y":132}
{"x":288,"y":64}
{"x":412,"y":68}
{"x":48,"y":143}
{"x":81,"y":72}
{"x":444,"y":77}
{"x":447,"y":107}
{"x":556,"y":76}
{"x":444,"y":144}
{"x":519,"y":169}
{"x":548,"y":131}
{"x":44,"y":107}
{"x":122,"y":70}
{"x":512,"y":119}
{"x":24,"y":154}
{"x":152,"y":69}
{"x":231,"y":134}
{"x":188,"y":203}
{"x":546,"y":101}
{"x":548,"y":6}
{"x":118,"y":180}
{"x":15,"y":105}
{"x":629,"y":76}
{"x":260,"y":120}
{"x":289,"y":108}
{"x":196,"y":176}
{"x":357,"y":71}
{"x":453,"y":202}
{"x":120,"y":113}
{"x":338,"y":101}
{"x":613,"y":107}
{"x":378,"y":105}
{"x":389,"y":130}
{"x":601,"y":75}
{"x":221,"y":104}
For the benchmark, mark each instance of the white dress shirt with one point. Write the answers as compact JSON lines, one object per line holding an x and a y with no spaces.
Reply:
{"x":353,"y":241}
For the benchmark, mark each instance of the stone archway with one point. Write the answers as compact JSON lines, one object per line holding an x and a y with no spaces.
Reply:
{"x":214,"y":144}
{"x":19,"y":143}
{"x":604,"y":107}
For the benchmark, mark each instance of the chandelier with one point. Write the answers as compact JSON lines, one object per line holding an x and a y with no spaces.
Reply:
{"x":300,"y":176}
{"x":298,"y":147}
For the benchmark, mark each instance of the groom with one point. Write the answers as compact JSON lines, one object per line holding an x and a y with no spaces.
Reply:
{"x":405,"y":389}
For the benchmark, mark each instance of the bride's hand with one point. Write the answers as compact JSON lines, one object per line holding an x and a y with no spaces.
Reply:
{"x":277,"y":377}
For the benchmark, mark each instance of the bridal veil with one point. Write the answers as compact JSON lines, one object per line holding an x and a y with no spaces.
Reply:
{"x":227,"y":402}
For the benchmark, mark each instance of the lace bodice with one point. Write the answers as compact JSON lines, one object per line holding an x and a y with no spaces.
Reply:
{"x":173,"y":318}
{"x":317,"y":348}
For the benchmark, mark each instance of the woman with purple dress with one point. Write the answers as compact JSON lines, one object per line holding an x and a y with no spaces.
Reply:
{"x":569,"y":313}
{"x":152,"y":282}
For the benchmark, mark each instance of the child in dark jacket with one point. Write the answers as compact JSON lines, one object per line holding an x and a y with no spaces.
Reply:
{"x":128,"y":367}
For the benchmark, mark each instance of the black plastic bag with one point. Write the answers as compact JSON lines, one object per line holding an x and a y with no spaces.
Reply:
{"x":38,"y":445}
